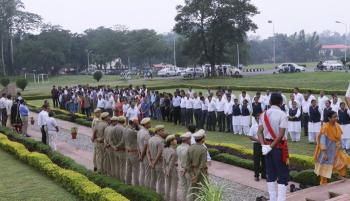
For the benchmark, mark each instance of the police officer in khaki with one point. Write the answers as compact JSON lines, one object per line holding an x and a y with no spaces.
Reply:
{"x":97,"y":118}
{"x":132,"y":156}
{"x":183,"y":173}
{"x":170,"y":168}
{"x":142,"y":140}
{"x":109,"y":157}
{"x":118,"y":145}
{"x":98,"y":139}
{"x":154,"y":154}
{"x":197,"y":161}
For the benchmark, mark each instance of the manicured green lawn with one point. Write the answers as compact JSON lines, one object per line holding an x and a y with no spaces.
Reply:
{"x":314,"y":80}
{"x":19,"y":181}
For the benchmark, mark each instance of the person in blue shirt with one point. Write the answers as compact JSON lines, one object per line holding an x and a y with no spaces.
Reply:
{"x":24,"y":114}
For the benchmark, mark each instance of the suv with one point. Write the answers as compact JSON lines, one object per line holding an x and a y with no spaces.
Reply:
{"x":332,"y":65}
{"x":167,"y":72}
{"x":192,"y":72}
{"x":290,"y":68}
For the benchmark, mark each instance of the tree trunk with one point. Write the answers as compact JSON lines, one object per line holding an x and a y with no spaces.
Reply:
{"x":2,"y":57}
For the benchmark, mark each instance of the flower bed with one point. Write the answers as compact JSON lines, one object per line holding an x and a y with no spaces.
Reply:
{"x":74,"y":182}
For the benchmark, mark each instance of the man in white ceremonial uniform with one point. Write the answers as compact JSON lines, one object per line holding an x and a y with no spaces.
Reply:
{"x":294,"y":123}
{"x":315,"y":116}
{"x":344,"y":121}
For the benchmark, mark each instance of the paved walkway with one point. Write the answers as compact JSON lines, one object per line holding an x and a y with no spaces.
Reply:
{"x":81,"y":151}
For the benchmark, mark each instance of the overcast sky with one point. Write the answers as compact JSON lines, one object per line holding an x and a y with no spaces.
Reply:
{"x":288,"y":15}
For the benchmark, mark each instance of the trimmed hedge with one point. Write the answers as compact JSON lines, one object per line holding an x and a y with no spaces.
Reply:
{"x":70,"y":180}
{"x":297,"y":162}
{"x":131,"y":192}
{"x":37,"y":97}
{"x":234,"y":160}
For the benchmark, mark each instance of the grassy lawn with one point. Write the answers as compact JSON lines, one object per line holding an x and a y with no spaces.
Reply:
{"x":21,"y":182}
{"x":315,"y":80}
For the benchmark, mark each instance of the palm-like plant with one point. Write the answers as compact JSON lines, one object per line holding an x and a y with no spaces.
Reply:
{"x":207,"y":191}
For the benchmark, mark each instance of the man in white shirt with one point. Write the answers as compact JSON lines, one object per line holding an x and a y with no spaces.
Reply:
{"x":101,"y":103}
{"x":211,"y":122}
{"x":228,"y":113}
{"x":244,"y":96}
{"x":266,"y":99}
{"x":322,"y":100}
{"x":52,"y":129}
{"x":274,"y":148}
{"x":189,"y":110}
{"x":133,"y":112}
{"x":220,"y":107}
{"x":176,"y":108}
{"x":183,"y":110}
{"x":3,"y":109}
{"x":108,"y":107}
{"x":197,"y":109}
{"x":9,"y":103}
{"x":335,"y":103}
{"x":297,"y":96}
{"x":42,"y":118}
{"x":305,"y":105}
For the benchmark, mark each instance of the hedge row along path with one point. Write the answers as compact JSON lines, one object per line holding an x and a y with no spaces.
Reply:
{"x":81,"y":151}
{"x":19,"y":181}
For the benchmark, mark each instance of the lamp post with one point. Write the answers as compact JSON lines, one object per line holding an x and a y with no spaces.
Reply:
{"x":346,"y":32}
{"x":274,"y":40}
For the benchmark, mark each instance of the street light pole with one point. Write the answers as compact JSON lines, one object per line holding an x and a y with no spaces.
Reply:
{"x":346,"y":32}
{"x":237,"y":55}
{"x":274,"y":40}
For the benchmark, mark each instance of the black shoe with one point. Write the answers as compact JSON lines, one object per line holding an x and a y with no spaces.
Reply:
{"x":263,"y":177}
{"x":95,"y":169}
{"x":257,"y":179}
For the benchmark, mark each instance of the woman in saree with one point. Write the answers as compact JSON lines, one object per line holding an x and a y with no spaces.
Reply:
{"x":329,"y":155}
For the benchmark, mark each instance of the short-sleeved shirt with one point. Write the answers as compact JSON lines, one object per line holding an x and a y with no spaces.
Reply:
{"x":130,"y":139}
{"x":51,"y":124}
{"x":277,"y":118}
{"x":155,"y":143}
{"x":142,"y":138}
{"x":253,"y":131}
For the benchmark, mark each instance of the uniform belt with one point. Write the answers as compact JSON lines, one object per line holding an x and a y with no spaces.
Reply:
{"x":131,"y":150}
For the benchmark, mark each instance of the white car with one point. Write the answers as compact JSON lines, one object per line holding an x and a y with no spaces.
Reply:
{"x":192,"y":72}
{"x":290,"y":67}
{"x":332,"y":65}
{"x":234,"y":71}
{"x":167,"y":72}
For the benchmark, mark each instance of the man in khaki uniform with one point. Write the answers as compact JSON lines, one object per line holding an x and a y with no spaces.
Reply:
{"x":154,"y":154}
{"x":197,"y":160}
{"x":118,"y":146}
{"x":98,"y":139}
{"x":109,"y":157}
{"x":184,"y":176}
{"x":170,"y":168}
{"x":142,"y":140}
{"x":132,"y":156}
{"x":96,"y":119}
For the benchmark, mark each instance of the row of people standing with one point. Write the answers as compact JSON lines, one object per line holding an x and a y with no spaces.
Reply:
{"x":130,"y":153}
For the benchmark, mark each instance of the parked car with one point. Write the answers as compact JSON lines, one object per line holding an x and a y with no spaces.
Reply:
{"x":167,"y":72}
{"x":290,"y":68}
{"x":234,"y":71}
{"x":192,"y":73}
{"x":332,"y":65}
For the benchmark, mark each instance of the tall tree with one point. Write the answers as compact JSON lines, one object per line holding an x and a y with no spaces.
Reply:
{"x":210,"y":25}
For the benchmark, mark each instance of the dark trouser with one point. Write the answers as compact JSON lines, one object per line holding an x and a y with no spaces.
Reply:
{"x":167,"y":114}
{"x":276,"y":169}
{"x":203,"y":118}
{"x":189,"y":116}
{"x":162,"y":112}
{"x":221,"y":121}
{"x":55,"y":102}
{"x":110,"y":111}
{"x":87,"y":111}
{"x":197,"y":117}
{"x":3,"y":117}
{"x":229,"y":123}
{"x":183,"y":116}
{"x":305,"y":123}
{"x":177,"y":115}
{"x":211,"y":123}
{"x":43,"y":134}
{"x":259,"y":161}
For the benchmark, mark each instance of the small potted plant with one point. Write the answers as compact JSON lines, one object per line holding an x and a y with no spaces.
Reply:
{"x":32,"y":120}
{"x":74,"y":132}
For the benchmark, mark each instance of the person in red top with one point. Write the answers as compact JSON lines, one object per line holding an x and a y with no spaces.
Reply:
{"x":119,"y":108}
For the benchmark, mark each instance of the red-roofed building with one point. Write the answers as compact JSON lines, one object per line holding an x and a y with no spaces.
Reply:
{"x":328,"y":50}
{"x":336,"y":46}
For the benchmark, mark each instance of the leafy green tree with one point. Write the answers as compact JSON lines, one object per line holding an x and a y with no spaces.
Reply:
{"x":5,"y":81}
{"x":97,"y":76}
{"x":21,"y":83}
{"x":212,"y":25}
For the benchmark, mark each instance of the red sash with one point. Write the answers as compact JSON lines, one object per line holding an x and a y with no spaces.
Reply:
{"x":281,"y":145}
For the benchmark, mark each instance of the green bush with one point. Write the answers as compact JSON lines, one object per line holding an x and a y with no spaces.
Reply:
{"x":131,"y":192}
{"x":21,"y":83}
{"x":234,"y":160}
{"x":213,"y":152}
{"x":97,"y":76}
{"x":40,"y":97}
{"x":5,"y":81}
{"x":71,"y":180}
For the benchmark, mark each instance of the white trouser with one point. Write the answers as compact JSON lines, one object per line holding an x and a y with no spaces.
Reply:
{"x":312,"y":137}
{"x":295,"y":136}
{"x":52,"y":139}
{"x":237,"y":129}
{"x":245,"y":130}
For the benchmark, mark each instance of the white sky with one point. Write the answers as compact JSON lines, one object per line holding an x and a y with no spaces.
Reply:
{"x":288,"y":15}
